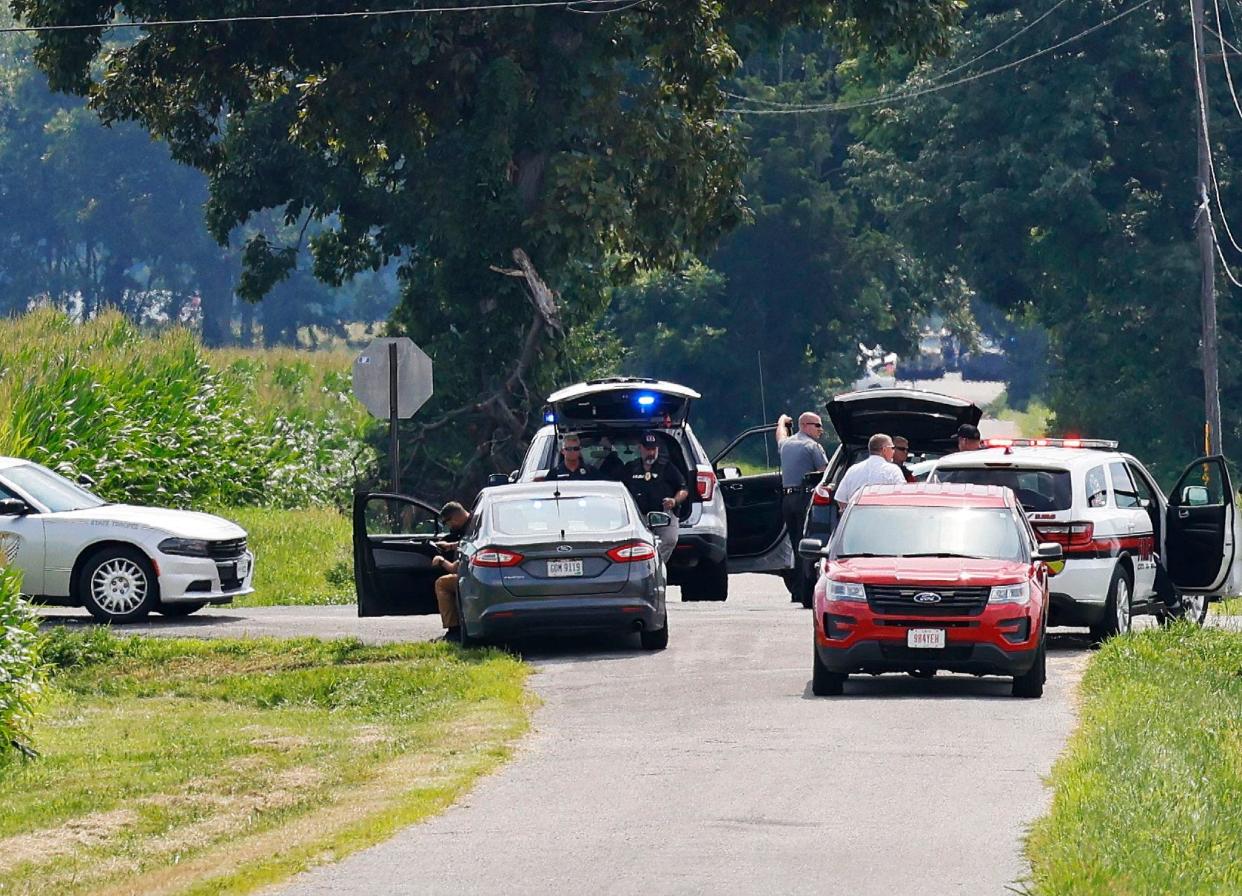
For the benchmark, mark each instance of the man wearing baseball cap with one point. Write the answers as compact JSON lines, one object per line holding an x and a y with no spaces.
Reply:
{"x":968,"y":438}
{"x":656,"y":484}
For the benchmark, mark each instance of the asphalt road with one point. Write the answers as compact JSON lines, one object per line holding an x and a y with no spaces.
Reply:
{"x":711,"y":768}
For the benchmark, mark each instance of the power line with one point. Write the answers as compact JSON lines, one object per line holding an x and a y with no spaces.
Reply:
{"x":1006,"y":42}
{"x":940,"y":77}
{"x":587,"y":7}
{"x":913,"y":94}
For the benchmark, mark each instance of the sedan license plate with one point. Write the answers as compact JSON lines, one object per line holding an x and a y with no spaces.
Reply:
{"x":925,"y":637}
{"x":243,"y":567}
{"x":558,"y":569}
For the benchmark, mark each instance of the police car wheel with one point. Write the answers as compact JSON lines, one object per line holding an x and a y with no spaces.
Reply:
{"x":1117,"y":608}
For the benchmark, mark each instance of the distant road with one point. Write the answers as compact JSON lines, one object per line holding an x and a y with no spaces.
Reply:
{"x":981,"y":393}
{"x":709,"y":767}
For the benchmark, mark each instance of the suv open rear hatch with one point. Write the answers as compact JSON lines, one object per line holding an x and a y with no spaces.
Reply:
{"x":927,"y":419}
{"x":621,"y":402}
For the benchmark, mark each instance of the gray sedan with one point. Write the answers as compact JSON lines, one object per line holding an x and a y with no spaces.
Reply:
{"x":562,"y":557}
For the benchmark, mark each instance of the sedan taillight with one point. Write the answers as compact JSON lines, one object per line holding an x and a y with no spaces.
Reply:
{"x":495,"y":558}
{"x":706,"y":483}
{"x":631,"y":552}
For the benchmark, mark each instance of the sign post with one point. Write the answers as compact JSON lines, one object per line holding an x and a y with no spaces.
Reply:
{"x":393,"y":379}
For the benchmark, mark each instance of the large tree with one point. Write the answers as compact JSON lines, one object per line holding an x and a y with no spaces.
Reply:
{"x":589,"y":138}
{"x":788,"y":297}
{"x":1065,"y":188}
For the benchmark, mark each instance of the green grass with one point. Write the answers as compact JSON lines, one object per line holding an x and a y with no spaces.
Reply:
{"x":1146,"y":799}
{"x":220,"y":766}
{"x":301,"y":556}
{"x":1230,"y":607}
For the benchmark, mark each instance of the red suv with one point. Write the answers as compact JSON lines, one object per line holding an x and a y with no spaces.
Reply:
{"x":929,"y":577}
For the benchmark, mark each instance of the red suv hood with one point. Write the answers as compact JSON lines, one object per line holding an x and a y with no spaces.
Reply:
{"x":921,"y":571}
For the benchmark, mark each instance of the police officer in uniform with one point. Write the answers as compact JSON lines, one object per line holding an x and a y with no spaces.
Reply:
{"x":800,"y":454}
{"x":657,"y":484}
{"x":570,"y":466}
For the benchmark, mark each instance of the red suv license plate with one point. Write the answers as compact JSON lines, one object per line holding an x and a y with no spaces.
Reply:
{"x":925,"y":637}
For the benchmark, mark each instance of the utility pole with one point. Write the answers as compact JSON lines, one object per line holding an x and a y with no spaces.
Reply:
{"x":1207,"y":245}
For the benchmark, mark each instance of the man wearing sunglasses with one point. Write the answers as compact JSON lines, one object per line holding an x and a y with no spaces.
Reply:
{"x":801,"y":455}
{"x":570,"y":466}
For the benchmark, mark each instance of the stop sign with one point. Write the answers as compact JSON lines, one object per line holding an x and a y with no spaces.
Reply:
{"x":373,"y":377}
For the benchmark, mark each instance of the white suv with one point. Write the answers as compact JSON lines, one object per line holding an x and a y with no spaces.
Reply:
{"x":610,"y":415}
{"x":1128,"y":549}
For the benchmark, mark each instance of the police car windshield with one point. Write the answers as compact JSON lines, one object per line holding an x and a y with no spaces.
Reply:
{"x":1038,"y":491}
{"x":560,"y":517}
{"x":52,"y":490}
{"x":874,"y":530}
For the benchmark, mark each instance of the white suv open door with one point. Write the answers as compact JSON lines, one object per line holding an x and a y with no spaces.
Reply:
{"x":1200,"y":538}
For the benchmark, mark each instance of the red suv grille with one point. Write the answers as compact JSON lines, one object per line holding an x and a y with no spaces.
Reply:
{"x":896,"y":600}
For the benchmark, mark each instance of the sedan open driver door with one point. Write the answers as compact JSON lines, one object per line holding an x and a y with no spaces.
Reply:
{"x":393,"y":549}
{"x":1200,"y":540}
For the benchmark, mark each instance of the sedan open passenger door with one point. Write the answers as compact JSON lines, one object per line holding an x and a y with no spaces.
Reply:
{"x":393,"y":549}
{"x":1200,"y":540}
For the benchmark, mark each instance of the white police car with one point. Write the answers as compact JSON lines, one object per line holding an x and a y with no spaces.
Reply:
{"x":1129,"y":549}
{"x":117,"y":560}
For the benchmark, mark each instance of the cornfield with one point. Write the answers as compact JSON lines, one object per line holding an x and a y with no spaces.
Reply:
{"x":20,"y":670}
{"x":156,"y":419}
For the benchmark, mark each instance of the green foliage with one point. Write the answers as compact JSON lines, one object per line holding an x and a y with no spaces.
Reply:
{"x":797,"y":287}
{"x":20,"y":669}
{"x":301,"y":556}
{"x":219,"y":766}
{"x":151,"y":421}
{"x":596,"y":143}
{"x":1056,"y":190}
{"x":1145,"y":799}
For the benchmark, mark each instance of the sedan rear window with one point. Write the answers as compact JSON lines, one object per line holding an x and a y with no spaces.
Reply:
{"x":1038,"y":491}
{"x":589,"y":515}
{"x":874,"y":530}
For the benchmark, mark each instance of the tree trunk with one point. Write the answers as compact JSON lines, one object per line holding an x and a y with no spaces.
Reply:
{"x":216,"y":304}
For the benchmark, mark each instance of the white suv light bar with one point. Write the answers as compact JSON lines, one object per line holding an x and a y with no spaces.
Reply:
{"x":1103,"y":444}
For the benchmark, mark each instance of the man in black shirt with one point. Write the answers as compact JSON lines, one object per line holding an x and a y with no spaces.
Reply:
{"x":657,"y":484}
{"x":570,"y":466}
{"x":610,"y":466}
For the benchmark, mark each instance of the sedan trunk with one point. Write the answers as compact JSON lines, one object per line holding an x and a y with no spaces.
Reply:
{"x":550,"y":569}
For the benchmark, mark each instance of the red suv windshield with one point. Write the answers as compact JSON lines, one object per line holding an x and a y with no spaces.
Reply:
{"x":880,"y":530}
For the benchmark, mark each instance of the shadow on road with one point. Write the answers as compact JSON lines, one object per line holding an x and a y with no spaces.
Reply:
{"x":949,"y":685}
{"x":592,"y":647}
{"x":1070,"y":641}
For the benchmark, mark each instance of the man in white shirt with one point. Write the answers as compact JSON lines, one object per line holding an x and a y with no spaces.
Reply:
{"x":877,"y":469}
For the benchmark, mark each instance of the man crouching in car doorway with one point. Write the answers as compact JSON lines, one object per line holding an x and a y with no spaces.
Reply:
{"x":455,"y":518}
{"x":800,"y":454}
